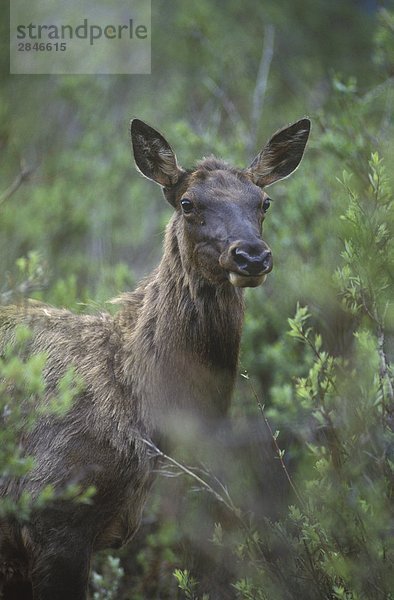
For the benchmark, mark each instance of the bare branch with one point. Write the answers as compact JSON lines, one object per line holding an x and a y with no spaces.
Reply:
{"x":378,"y":90}
{"x":35,"y":279}
{"x":223,"y":497}
{"x":23,"y":289}
{"x":261,"y":84}
{"x":279,"y":453}
{"x":23,"y":176}
{"x":385,"y":376}
{"x":221,"y":95}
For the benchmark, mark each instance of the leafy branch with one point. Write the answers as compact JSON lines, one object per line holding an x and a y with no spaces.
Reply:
{"x":31,"y":277}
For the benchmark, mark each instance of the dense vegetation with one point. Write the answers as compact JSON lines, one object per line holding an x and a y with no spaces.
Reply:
{"x":303,"y":505}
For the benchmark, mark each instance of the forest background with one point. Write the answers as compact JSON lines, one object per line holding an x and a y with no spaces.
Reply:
{"x":304,"y":500}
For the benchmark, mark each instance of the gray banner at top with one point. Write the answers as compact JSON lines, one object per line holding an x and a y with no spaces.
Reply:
{"x":80,"y":37}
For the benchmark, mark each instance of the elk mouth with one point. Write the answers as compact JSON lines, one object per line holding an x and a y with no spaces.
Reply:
{"x":246,"y":264}
{"x":242,"y":281}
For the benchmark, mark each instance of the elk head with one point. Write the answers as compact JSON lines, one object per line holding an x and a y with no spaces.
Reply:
{"x":219,"y":210}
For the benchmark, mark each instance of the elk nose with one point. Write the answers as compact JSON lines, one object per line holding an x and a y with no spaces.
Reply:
{"x":253,"y":263}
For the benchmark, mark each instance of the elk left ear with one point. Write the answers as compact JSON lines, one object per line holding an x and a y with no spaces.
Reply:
{"x":153,"y":155}
{"x":282,"y":154}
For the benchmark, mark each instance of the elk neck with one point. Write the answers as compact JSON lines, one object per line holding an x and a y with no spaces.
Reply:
{"x":174,"y":310}
{"x":177,"y":323}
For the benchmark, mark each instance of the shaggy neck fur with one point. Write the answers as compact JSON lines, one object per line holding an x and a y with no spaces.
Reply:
{"x":181,"y":334}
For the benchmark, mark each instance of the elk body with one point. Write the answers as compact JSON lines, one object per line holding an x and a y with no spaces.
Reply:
{"x":168,"y":355}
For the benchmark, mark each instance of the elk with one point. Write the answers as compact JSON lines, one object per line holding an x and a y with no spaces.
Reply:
{"x":168,"y":355}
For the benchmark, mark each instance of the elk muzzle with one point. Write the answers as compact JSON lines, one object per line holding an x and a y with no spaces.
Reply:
{"x":247,"y":264}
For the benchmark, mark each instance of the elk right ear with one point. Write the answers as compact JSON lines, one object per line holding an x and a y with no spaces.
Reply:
{"x":281,"y":155}
{"x":153,"y":155}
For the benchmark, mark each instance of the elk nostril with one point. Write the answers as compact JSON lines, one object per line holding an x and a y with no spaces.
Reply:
{"x":241,"y":257}
{"x":250,"y":263}
{"x":266,"y":260}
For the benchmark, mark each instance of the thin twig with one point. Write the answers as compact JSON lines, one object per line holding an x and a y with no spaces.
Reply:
{"x":23,"y":289}
{"x":261,"y":84}
{"x":376,"y":91}
{"x":279,"y":452}
{"x":227,"y":103}
{"x":385,"y":376}
{"x":227,"y":501}
{"x":23,"y":176}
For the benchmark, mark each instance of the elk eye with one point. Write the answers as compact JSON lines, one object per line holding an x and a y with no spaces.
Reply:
{"x":266,"y":204}
{"x":187,"y":205}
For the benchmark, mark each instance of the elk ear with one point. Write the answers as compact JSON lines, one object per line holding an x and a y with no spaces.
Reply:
{"x":153,"y":154}
{"x":282,"y":154}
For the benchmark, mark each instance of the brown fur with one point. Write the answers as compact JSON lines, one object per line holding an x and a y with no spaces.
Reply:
{"x":166,"y":361}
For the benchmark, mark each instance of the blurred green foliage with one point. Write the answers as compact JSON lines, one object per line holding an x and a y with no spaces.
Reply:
{"x":314,"y":495}
{"x":21,"y":389}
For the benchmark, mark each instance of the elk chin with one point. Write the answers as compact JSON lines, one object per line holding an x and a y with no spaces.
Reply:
{"x":246,"y":280}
